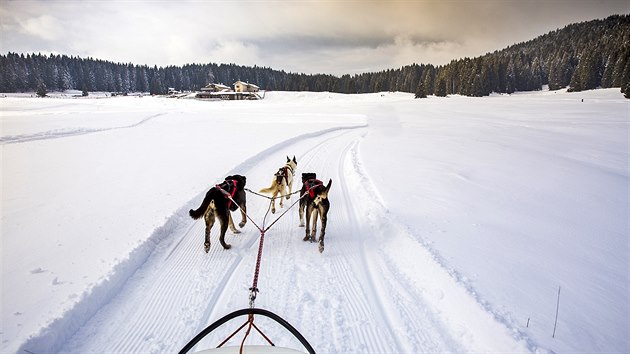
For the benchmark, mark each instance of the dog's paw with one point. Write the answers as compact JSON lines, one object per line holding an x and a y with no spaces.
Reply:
{"x":321,"y":248}
{"x":206,"y":246}
{"x":306,"y":238}
{"x":241,"y":224}
{"x":301,"y":224}
{"x":288,"y":197}
{"x":227,"y":246}
{"x":236,"y":231}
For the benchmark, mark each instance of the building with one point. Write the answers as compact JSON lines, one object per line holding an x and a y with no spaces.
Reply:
{"x":242,"y":91}
{"x":215,"y":88}
{"x":241,"y":86}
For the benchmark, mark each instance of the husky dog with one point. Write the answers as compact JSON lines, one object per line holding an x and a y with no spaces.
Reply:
{"x":282,"y":180}
{"x":305,"y":177}
{"x":317,"y":204}
{"x":217,"y":205}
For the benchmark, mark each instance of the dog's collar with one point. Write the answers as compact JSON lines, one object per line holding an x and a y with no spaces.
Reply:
{"x":290,"y":169}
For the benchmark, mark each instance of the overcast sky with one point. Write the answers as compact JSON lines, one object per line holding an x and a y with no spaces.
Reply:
{"x":327,"y":36}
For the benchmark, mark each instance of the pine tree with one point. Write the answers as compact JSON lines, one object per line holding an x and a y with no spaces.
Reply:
{"x":420,"y":91}
{"x":156,"y":86}
{"x":41,"y":89}
{"x":608,"y":70}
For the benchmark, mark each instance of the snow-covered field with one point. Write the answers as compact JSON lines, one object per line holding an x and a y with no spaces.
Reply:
{"x":454,"y":222}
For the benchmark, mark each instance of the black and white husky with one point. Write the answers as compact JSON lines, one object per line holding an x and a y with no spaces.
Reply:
{"x":282,"y":180}
{"x":317,"y":205}
{"x":217,"y":205}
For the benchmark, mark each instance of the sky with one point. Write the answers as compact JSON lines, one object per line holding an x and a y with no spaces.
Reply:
{"x":325,"y":36}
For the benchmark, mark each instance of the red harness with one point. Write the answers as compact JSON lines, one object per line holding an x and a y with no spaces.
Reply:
{"x":283,"y":172}
{"x":310,"y":186}
{"x":232,"y":191}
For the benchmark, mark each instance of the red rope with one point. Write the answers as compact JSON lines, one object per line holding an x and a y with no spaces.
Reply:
{"x":254,"y":289}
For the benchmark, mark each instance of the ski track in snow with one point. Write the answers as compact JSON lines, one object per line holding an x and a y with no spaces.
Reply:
{"x":56,"y":134}
{"x":170,"y":289}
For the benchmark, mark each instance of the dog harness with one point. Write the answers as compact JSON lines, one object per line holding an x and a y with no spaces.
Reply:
{"x":283,"y":173}
{"x":229,"y":189}
{"x":310,"y":186}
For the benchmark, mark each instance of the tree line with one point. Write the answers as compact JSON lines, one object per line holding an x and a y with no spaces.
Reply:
{"x":579,"y":56}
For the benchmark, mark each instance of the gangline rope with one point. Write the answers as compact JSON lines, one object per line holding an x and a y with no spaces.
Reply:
{"x":254,"y":288}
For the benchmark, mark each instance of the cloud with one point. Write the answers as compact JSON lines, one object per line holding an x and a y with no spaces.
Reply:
{"x":336,"y":37}
{"x":46,"y":27}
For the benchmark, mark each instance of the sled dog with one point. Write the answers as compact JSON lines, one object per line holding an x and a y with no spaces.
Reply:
{"x":305,"y":177}
{"x":317,"y":205}
{"x":217,"y":205}
{"x":282,"y":180}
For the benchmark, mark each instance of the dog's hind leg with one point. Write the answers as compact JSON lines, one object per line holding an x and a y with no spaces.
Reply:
{"x":309,"y":210}
{"x":301,"y":208}
{"x":273,"y":201}
{"x":209,"y":217}
{"x":231,"y":225}
{"x":243,"y":216}
{"x":289,"y":186}
{"x":324,"y":218}
{"x":282,"y":192}
{"x":314,"y":230}
{"x":224,"y":219}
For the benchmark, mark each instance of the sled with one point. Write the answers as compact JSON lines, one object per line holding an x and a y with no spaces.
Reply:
{"x":250,"y":312}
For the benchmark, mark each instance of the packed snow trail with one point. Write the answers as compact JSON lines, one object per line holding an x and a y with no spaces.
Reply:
{"x":344,"y":297}
{"x":57,"y":134}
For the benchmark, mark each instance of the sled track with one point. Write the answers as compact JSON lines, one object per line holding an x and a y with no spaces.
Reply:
{"x":357,"y":231}
{"x":178,"y":233}
{"x":67,"y":333}
{"x":57,"y":134}
{"x":340,"y":299}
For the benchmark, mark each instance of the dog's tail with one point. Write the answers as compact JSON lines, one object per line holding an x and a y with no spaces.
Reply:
{"x":199,"y":212}
{"x":325,"y":192}
{"x":274,"y":183}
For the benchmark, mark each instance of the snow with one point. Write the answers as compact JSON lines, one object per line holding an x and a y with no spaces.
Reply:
{"x":454,"y":222}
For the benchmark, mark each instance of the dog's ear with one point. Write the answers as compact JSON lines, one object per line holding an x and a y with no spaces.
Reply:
{"x":288,"y":159}
{"x":294,"y":160}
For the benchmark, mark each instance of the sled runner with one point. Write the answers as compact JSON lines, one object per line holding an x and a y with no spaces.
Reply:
{"x":250,"y":312}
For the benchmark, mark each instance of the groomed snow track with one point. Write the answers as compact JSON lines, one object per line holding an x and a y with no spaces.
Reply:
{"x":169,"y":289}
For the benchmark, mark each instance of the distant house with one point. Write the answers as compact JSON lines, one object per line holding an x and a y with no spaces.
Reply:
{"x":215,"y":88}
{"x":241,"y":86}
{"x":242,"y":91}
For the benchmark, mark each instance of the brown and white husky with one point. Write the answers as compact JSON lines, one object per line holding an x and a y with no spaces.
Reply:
{"x":282,"y":180}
